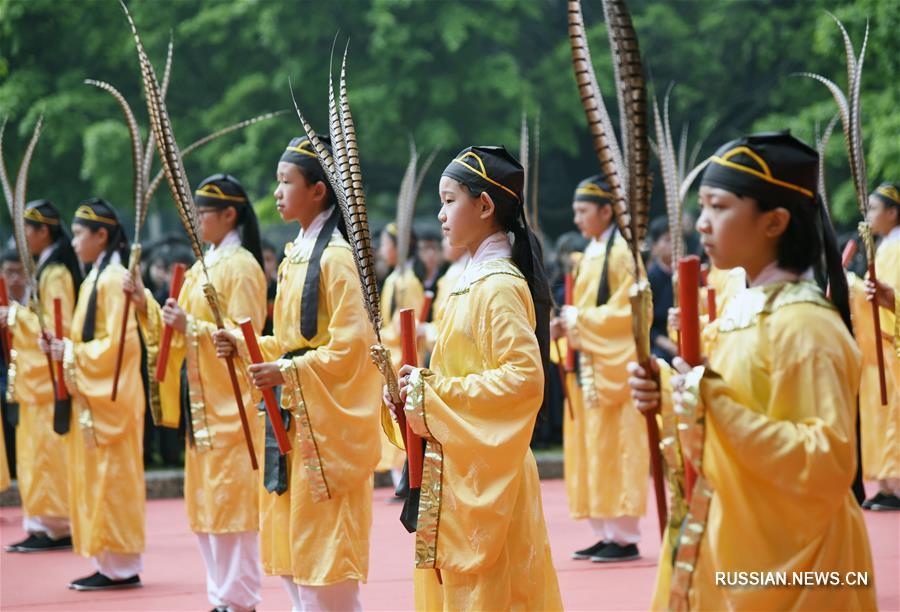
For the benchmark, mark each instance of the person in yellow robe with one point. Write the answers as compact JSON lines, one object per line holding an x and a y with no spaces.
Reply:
{"x":480,"y":517}
{"x":13,"y":273}
{"x":402,"y":288}
{"x":221,"y":487}
{"x":316,"y":503}
{"x":459,"y":259}
{"x":881,"y":424}
{"x":106,"y":472}
{"x":605,"y":445}
{"x":43,"y":440}
{"x":769,"y":421}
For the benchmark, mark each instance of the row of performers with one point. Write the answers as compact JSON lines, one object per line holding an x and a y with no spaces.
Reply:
{"x":768,"y":426}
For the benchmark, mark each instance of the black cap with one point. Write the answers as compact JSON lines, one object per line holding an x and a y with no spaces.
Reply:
{"x":42,"y":211}
{"x":221,"y":191}
{"x":594,"y":189}
{"x":96,"y":213}
{"x":772,"y":166}
{"x":490,"y":169}
{"x":301,"y":152}
{"x":889,"y":193}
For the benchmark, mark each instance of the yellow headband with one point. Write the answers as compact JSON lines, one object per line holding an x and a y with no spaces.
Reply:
{"x":87,"y":213}
{"x":302,"y":150}
{"x":33,"y":214}
{"x":765,"y":174}
{"x":215,"y":192}
{"x":890,"y":192}
{"x":593,"y":190}
{"x":483,"y":173}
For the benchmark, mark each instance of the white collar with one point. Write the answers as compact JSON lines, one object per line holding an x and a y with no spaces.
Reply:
{"x":214,"y":253}
{"x":495,"y":246}
{"x":306,"y":238}
{"x":598,"y":245}
{"x":115,"y":258}
{"x":892,"y":236}
{"x":45,"y":254}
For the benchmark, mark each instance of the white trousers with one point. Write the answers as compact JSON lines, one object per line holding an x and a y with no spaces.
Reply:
{"x":340,"y":597}
{"x":889,"y":486}
{"x":118,"y":566}
{"x":54,"y":526}
{"x":233,"y":573}
{"x":622,"y":530}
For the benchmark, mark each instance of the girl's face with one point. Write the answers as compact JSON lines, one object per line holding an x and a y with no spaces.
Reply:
{"x":881,"y":217}
{"x":735,"y":233}
{"x":215,"y":222}
{"x":387,"y":249}
{"x":295,"y":198}
{"x":37,"y":237}
{"x":465,"y":220}
{"x":591,"y":219}
{"x":88,"y":244}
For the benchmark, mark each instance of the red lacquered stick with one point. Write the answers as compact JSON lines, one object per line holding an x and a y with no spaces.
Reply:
{"x":61,"y":392}
{"x":569,"y":297}
{"x":284,"y":445}
{"x":410,"y":357}
{"x":174,"y":290}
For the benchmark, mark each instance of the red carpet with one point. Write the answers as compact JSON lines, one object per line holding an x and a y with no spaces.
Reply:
{"x":174,"y":577}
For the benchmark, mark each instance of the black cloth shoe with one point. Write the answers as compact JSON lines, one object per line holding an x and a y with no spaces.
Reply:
{"x":44,"y":543}
{"x":32,"y":539}
{"x":613,"y":553}
{"x":867,"y":505}
{"x":99,"y":582}
{"x":887,"y":503}
{"x":590,"y":551}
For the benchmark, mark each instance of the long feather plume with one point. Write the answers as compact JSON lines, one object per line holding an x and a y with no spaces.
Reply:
{"x":160,"y":176}
{"x":136,"y":151}
{"x":4,"y":177}
{"x":602,"y":135}
{"x":630,"y":81}
{"x":406,"y":208}
{"x":524,"y":159}
{"x":535,"y":168}
{"x":166,"y":145}
{"x":669,"y":169}
{"x":822,"y":146}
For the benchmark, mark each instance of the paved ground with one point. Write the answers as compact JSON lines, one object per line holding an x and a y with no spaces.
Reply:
{"x":174,"y":577}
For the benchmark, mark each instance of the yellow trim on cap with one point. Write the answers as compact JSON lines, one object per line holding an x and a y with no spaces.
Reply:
{"x":305,"y":148}
{"x":483,"y":173}
{"x":765,"y":175}
{"x":215,"y":192}
{"x":86,"y":212}
{"x":592,"y":189}
{"x":33,"y":214}
{"x":890,"y":192}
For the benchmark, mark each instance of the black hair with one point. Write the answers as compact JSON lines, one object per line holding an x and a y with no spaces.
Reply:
{"x":10,"y":256}
{"x":659,"y":227}
{"x":808,"y":242}
{"x":312,"y":174}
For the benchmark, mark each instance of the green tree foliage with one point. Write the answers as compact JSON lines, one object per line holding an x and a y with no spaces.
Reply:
{"x":449,"y":73}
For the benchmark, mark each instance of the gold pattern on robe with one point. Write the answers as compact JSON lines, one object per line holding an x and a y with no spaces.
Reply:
{"x":778,"y":456}
{"x":315,"y":539}
{"x":605,"y":446}
{"x":292,"y":399}
{"x":106,"y":473}
{"x":480,"y":515}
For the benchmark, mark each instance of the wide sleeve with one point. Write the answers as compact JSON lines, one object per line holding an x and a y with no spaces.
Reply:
{"x":95,"y":362}
{"x":243,"y":294}
{"x":597,"y":325}
{"x":482,"y":424}
{"x":165,"y":396}
{"x":57,"y":284}
{"x":339,"y":413}
{"x":804,"y":442}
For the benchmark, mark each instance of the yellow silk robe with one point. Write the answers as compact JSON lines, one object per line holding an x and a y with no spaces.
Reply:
{"x":318,"y":531}
{"x":880,"y":425}
{"x":779,"y":455}
{"x":41,"y":454}
{"x":220,"y":485}
{"x":4,"y":466}
{"x":402,"y":291}
{"x":481,"y":521}
{"x":605,"y":445}
{"x":106,"y":475}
